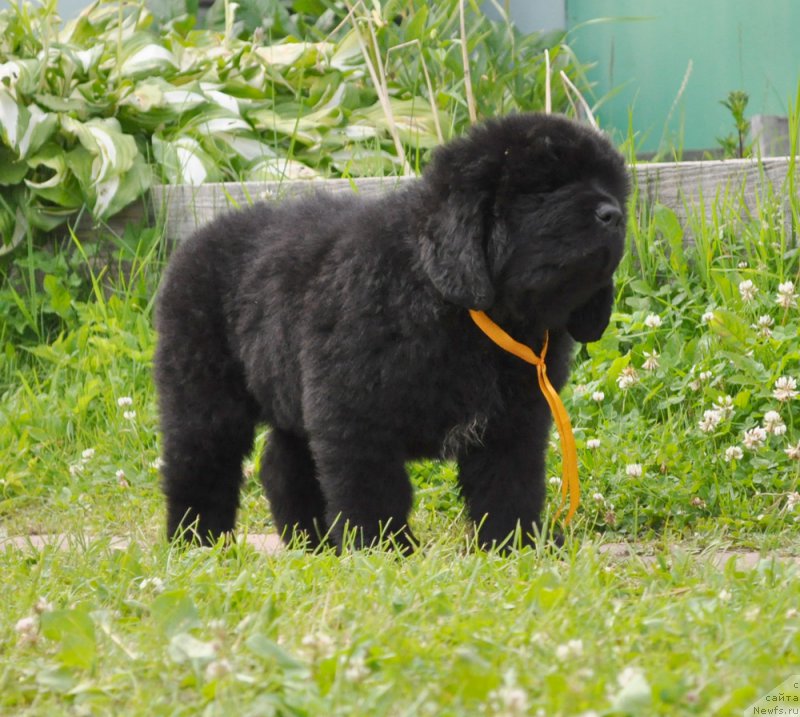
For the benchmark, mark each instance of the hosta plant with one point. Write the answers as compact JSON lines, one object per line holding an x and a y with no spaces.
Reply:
{"x":94,"y":110}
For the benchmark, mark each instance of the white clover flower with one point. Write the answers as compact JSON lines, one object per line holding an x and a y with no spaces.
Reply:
{"x":216,"y":669}
{"x":707,"y":317}
{"x":651,"y":361}
{"x":157,"y":584}
{"x":754,"y":438}
{"x":629,"y":675}
{"x":764,"y":325}
{"x":792,"y":500}
{"x":711,"y":419}
{"x":785,"y":388}
{"x":786,"y":297}
{"x":598,"y":497}
{"x":724,"y":595}
{"x":627,"y":378}
{"x":742,"y":265}
{"x":512,"y":700}
{"x":652,"y":321}
{"x":76,"y":469}
{"x":573,"y":648}
{"x":702,"y":377}
{"x":28,"y":630}
{"x":87,"y":454}
{"x":793,"y":452}
{"x":554,"y":480}
{"x":129,"y":415}
{"x":356,"y":670}
{"x":43,"y":605}
{"x":773,"y":423}
{"x":752,"y":614}
{"x":634,"y":470}
{"x":724,"y":405}
{"x":698,"y":502}
{"x":747,"y":290}
{"x":26,"y":626}
{"x":598,"y":396}
{"x":157,"y":464}
{"x":593,"y":443}
{"x":122,"y":480}
{"x":319,"y":644}
{"x":124,"y":401}
{"x":733,"y":453}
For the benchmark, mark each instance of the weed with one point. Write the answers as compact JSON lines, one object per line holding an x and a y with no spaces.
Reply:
{"x":735,"y":145}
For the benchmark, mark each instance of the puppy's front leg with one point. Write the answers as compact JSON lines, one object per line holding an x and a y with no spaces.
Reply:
{"x":503,"y":482}
{"x":368,"y":495}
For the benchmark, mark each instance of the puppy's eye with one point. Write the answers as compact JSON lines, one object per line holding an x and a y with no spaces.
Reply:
{"x":608,"y":214}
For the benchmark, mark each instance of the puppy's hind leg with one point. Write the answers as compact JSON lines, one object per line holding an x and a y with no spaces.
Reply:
{"x":207,"y":420}
{"x":206,"y":434}
{"x":288,"y":475}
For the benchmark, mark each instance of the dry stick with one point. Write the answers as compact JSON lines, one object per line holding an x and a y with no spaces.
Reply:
{"x":569,"y":87}
{"x":387,"y":105}
{"x":428,"y":83}
{"x":548,"y":100}
{"x":379,"y":82}
{"x":347,"y":19}
{"x":434,"y":109}
{"x":473,"y":115}
{"x":572,"y":104}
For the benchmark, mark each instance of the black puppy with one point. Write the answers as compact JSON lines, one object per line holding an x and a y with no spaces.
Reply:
{"x":343,"y":323}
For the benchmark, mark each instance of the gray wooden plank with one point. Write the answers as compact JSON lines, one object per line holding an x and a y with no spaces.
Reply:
{"x":685,"y":187}
{"x":185,"y":208}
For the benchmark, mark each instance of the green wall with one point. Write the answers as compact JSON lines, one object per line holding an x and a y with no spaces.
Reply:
{"x":71,"y":8}
{"x":646,"y":45}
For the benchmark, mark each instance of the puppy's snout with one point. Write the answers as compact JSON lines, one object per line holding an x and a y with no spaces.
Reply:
{"x":608,"y":214}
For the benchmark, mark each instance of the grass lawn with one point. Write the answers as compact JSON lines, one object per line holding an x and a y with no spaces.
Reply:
{"x":684,"y":417}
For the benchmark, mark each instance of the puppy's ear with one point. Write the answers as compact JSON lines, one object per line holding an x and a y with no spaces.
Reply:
{"x":453,"y":255}
{"x":588,"y":322}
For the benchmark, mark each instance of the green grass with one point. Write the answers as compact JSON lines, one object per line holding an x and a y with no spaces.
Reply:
{"x":147,"y":629}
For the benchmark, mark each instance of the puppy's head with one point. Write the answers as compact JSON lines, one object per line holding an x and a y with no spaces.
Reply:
{"x":527,"y":215}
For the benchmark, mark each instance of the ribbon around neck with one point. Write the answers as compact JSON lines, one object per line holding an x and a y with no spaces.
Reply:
{"x":570,"y":486}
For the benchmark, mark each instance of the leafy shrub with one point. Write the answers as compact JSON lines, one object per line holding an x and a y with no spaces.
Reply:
{"x":93,"y":110}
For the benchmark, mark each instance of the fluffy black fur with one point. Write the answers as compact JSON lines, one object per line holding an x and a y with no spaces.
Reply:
{"x":342,"y":322}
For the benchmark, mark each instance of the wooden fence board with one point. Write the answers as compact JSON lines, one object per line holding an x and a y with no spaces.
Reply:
{"x":685,"y":187}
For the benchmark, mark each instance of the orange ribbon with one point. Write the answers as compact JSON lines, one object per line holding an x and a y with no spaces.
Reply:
{"x":569,"y":455}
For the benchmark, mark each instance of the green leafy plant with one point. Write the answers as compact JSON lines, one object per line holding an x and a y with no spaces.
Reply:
{"x":95,"y":110}
{"x":735,"y":145}
{"x":704,"y":342}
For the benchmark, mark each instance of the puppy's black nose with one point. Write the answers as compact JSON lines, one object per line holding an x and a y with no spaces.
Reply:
{"x":608,"y":213}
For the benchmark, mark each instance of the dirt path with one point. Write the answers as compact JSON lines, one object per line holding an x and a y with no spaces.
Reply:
{"x":270,"y":544}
